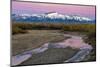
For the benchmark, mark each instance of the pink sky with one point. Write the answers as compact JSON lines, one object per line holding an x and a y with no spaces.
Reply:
{"x":31,"y":8}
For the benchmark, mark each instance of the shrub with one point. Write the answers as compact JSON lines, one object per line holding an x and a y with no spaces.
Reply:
{"x":55,"y":26}
{"x":17,"y":30}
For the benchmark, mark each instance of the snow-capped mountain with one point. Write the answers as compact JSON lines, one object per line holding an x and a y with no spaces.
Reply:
{"x":56,"y":15}
{"x":50,"y":17}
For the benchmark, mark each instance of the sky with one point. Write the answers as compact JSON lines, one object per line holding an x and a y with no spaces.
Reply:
{"x":40,"y":8}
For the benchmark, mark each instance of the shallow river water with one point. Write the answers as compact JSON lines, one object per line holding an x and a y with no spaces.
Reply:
{"x":75,"y":42}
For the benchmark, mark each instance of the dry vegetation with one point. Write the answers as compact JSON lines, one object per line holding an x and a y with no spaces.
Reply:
{"x":22,"y":27}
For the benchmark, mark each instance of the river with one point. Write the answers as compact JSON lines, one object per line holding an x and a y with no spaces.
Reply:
{"x":75,"y":42}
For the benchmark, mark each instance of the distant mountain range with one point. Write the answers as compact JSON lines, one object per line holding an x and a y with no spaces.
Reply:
{"x":51,"y":17}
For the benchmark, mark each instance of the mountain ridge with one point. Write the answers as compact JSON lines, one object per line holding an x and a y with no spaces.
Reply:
{"x":51,"y":17}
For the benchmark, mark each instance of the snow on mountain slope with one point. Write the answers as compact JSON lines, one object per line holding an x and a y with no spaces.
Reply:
{"x":52,"y":16}
{"x":55,"y":15}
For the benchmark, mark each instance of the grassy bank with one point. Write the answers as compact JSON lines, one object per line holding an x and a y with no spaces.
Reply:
{"x":23,"y":27}
{"x":91,"y":39}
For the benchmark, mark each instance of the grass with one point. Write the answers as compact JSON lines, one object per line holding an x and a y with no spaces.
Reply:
{"x":50,"y":26}
{"x":17,"y":30}
{"x":91,"y":39}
